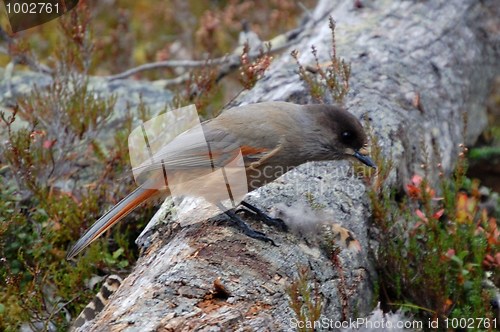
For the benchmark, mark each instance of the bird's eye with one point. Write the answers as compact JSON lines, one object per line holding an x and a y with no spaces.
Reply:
{"x":347,"y":136}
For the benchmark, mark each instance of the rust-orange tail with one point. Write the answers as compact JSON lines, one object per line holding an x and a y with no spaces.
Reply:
{"x":119,"y":211}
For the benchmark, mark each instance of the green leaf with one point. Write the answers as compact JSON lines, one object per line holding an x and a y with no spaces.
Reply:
{"x":118,"y":253}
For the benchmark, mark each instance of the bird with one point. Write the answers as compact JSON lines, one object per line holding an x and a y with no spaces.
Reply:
{"x":271,"y":137}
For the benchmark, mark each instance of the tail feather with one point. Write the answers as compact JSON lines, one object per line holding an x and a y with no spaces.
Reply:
{"x":119,"y":211}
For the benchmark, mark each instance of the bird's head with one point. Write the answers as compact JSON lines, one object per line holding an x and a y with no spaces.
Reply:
{"x":341,"y":134}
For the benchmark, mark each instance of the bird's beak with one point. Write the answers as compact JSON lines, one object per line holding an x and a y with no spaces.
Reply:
{"x":362,"y":155}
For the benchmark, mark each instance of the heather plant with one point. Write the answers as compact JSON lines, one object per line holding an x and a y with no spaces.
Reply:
{"x":330,"y":78}
{"x":437,"y":246}
{"x":49,"y":192}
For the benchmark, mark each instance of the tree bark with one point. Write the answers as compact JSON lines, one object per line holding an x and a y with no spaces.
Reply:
{"x":417,"y":67}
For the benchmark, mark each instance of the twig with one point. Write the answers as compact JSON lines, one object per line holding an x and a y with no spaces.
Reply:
{"x":21,"y":58}
{"x":230,"y":62}
{"x":169,"y":64}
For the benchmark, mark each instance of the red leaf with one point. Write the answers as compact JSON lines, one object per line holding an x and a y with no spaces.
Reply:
{"x":421,"y":215}
{"x":49,"y":143}
{"x":438,"y":214}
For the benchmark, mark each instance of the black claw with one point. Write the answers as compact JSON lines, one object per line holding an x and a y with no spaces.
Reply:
{"x":258,"y":236}
{"x":245,"y":211}
{"x":247,"y":230}
{"x":275,"y":222}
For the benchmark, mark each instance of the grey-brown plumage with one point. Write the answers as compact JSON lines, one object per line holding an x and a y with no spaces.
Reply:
{"x":98,"y":303}
{"x":272,"y":137}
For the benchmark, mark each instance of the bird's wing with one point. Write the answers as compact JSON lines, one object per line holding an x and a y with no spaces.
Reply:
{"x":187,"y":151}
{"x":184,"y":153}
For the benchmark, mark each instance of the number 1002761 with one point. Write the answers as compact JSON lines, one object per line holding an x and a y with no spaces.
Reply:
{"x":32,"y":8}
{"x":471,"y":323}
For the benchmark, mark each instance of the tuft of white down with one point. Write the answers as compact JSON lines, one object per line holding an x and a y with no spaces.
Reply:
{"x":314,"y":224}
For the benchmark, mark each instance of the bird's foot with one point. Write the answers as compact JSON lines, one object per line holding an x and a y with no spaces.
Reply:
{"x":247,"y":230}
{"x":275,"y":222}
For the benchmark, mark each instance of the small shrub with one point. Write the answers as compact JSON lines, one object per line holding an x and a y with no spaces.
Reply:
{"x":435,"y":248}
{"x":332,"y":78}
{"x":304,"y":299}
